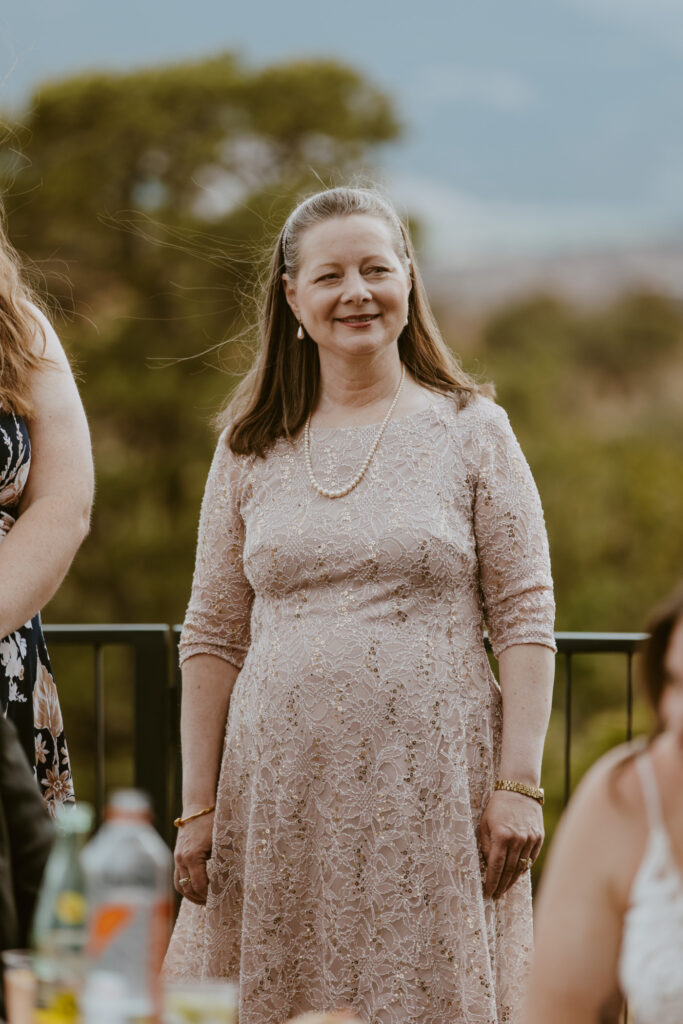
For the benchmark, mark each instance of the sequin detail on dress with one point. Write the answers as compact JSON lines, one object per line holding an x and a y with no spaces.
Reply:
{"x":363,"y":735}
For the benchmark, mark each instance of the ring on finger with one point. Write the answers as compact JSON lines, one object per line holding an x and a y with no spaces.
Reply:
{"x":524,"y":863}
{"x":183,"y":881}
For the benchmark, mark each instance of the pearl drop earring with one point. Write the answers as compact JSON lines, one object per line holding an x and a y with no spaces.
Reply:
{"x":300,"y":332}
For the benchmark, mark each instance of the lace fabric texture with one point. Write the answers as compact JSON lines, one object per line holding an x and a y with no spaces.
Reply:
{"x":364,"y":727}
{"x":652,"y":940}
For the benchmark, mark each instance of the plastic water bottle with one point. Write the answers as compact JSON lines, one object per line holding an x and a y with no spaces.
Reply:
{"x":104,"y":999}
{"x":128,"y":870}
{"x":59,"y":925}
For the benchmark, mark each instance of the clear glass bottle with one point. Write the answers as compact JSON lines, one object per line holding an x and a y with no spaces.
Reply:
{"x":59,"y":925}
{"x":129,"y":871}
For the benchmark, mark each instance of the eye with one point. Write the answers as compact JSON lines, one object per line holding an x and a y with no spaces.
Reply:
{"x":378,"y":269}
{"x":326,"y":277}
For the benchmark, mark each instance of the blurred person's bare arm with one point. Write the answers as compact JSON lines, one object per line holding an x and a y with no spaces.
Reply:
{"x":54,"y":512}
{"x":207,"y":685}
{"x":583,"y":898}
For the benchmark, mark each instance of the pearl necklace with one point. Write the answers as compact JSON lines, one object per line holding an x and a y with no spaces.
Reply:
{"x":371,"y":454}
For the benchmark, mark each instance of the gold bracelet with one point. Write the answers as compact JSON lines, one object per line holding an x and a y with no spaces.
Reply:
{"x":535,"y":792}
{"x":179,"y":822}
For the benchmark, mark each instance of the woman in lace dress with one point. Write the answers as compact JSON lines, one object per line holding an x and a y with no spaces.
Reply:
{"x":610,"y":920}
{"x":367,"y":508}
{"x":46,"y":485}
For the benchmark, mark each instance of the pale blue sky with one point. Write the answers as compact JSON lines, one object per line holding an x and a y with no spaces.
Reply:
{"x":530,"y":124}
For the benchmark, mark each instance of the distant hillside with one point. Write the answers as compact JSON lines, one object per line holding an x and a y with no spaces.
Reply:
{"x":588,"y":277}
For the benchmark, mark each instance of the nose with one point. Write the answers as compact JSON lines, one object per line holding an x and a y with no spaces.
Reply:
{"x":355,"y":288}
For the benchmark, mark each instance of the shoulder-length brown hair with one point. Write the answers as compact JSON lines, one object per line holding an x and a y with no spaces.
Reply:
{"x":281,"y":390}
{"x":19,"y":330}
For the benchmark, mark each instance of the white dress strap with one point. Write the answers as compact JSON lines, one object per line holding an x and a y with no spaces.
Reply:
{"x":648,"y":781}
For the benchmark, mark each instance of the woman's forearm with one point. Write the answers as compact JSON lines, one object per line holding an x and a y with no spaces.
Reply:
{"x":35,"y":556}
{"x":526,"y":680}
{"x":207,"y":685}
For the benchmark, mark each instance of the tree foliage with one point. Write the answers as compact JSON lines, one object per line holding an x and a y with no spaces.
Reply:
{"x":147,"y":201}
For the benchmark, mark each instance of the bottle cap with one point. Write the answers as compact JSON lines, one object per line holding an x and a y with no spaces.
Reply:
{"x":75,"y":818}
{"x":130,"y":804}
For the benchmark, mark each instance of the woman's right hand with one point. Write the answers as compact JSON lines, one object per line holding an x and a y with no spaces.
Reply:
{"x":192,"y":851}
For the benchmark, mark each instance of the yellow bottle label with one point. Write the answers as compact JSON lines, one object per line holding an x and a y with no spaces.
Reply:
{"x":63,"y":1009}
{"x":71,"y":907}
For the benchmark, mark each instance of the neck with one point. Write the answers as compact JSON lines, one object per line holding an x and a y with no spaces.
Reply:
{"x":357,"y":387}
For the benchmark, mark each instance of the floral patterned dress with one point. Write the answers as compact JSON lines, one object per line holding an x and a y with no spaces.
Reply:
{"x":27,"y":688}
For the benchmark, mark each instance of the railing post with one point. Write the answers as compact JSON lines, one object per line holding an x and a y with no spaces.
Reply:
{"x":567,"y":727}
{"x":151,"y":741}
{"x":175,"y":698}
{"x":98,"y":675}
{"x":629,"y":695}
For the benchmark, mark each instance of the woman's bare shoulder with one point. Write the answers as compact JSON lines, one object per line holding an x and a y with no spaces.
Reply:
{"x":607,"y":813}
{"x":46,"y":343}
{"x":611,"y":784}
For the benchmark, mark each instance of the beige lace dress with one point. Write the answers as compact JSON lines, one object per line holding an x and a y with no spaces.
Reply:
{"x":364,"y":726}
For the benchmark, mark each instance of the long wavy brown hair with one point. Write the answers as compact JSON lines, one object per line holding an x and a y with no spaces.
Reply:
{"x":21,"y":334}
{"x":281,"y":390}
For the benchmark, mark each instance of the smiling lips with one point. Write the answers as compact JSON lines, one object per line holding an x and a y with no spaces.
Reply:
{"x":361,"y":320}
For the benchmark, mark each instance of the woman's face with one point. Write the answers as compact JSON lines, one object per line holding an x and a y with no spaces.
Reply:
{"x":671,"y":704}
{"x":351,"y":291}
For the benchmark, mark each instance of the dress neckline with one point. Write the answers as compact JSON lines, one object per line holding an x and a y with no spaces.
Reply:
{"x":394,"y":421}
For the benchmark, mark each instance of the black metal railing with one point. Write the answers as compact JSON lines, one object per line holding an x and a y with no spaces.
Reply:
{"x":155,"y":740}
{"x":570,"y":644}
{"x":156,"y":690}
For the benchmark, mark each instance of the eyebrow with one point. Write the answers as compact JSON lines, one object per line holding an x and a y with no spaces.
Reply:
{"x":375,"y":257}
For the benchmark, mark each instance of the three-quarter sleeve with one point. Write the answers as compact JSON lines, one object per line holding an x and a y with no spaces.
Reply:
{"x":511,"y":538}
{"x":218,"y":614}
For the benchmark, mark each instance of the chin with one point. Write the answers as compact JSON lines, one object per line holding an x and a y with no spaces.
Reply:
{"x":364,"y":345}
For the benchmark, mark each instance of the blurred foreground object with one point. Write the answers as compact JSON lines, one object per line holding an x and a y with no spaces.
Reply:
{"x":19,"y":986}
{"x":202,"y":1002}
{"x":128,"y":872}
{"x":58,"y":933}
{"x":26,"y":836}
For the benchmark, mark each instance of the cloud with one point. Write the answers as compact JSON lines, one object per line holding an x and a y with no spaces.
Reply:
{"x":451,"y":83}
{"x":461,"y":229}
{"x":659,"y":19}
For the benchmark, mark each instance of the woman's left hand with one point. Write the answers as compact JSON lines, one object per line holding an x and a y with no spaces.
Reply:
{"x":511,"y":835}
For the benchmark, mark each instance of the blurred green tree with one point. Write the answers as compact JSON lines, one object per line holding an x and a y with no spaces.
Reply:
{"x":594,"y":396}
{"x":146,"y":202}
